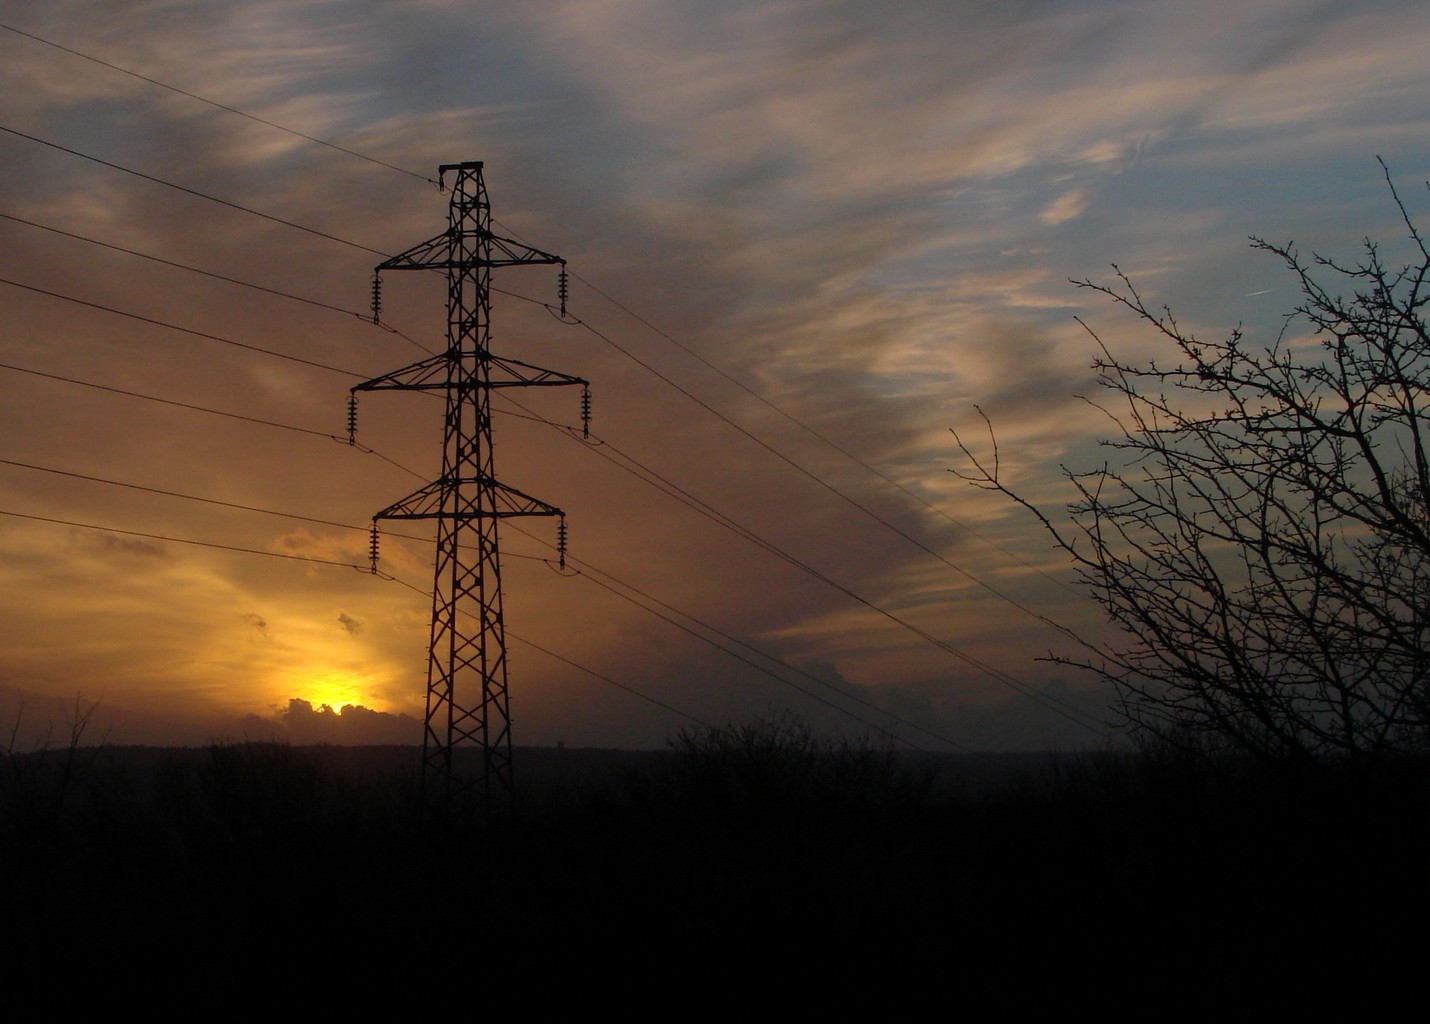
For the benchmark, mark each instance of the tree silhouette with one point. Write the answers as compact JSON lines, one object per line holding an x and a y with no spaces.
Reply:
{"x":1260,"y":530}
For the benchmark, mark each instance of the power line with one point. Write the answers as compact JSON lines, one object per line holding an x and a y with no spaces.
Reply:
{"x":221,"y":202}
{"x":611,"y":342}
{"x":272,"y":291}
{"x":816,"y":434}
{"x":609,"y":588}
{"x":599,"y":334}
{"x":266,"y":511}
{"x":215,"y":412}
{"x":775,"y":407}
{"x":688,"y":394}
{"x":343,"y":565}
{"x":183,"y":540}
{"x":595,"y":288}
{"x":607,"y":679}
{"x":229,"y":504}
{"x":575,"y":664}
{"x":538,"y":558}
{"x":507,"y":554}
{"x":170,"y":401}
{"x":669,"y":488}
{"x":686,"y":499}
{"x":193,"y":192}
{"x":1014,"y":602}
{"x":176,"y":327}
{"x":589,"y":567}
{"x":609,"y":298}
{"x":673,"y":490}
{"x":220,"y":106}
{"x":764,"y":669}
{"x":182,"y":266}
{"x":364,"y":317}
{"x":176,"y":494}
{"x":830,"y":487}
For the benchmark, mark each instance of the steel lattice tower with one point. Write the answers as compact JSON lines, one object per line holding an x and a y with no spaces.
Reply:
{"x":467,"y":698}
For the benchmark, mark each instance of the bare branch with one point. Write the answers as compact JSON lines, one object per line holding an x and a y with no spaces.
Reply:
{"x":1261,"y":532}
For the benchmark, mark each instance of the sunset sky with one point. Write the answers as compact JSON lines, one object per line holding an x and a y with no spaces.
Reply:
{"x":808,"y":238}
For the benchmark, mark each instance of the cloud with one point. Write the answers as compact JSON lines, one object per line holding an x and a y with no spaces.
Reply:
{"x":117,"y":544}
{"x":868,"y":214}
{"x":1065,"y":207}
{"x":351,"y":725}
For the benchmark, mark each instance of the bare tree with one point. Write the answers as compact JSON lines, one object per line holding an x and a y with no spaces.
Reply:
{"x":1260,"y":532}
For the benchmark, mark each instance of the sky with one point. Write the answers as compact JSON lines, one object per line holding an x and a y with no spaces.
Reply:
{"x":807,"y":240}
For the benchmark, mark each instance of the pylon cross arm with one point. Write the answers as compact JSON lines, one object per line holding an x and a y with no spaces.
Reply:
{"x":515,"y":503}
{"x":515,"y":253}
{"x":444,"y":252}
{"x":429,"y":374}
{"x":519,"y":374}
{"x":431,"y":502}
{"x":433,"y":253}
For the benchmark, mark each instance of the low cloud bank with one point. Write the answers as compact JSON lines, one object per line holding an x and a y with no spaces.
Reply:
{"x":351,"y":725}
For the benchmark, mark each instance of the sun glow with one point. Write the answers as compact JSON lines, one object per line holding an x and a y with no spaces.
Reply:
{"x":336,"y":690}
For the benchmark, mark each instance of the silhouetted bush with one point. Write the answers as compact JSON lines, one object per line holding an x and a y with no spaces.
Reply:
{"x":742,"y":849}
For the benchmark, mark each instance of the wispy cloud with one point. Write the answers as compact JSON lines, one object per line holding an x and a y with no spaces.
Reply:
{"x":867,"y":213}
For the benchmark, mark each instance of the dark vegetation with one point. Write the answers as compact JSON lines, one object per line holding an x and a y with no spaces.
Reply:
{"x":1261,"y":536}
{"x":746,"y":856}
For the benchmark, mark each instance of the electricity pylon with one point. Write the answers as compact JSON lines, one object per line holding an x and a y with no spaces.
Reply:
{"x":467,"y":698}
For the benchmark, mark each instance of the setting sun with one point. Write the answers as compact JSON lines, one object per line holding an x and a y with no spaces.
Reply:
{"x":336,"y":690}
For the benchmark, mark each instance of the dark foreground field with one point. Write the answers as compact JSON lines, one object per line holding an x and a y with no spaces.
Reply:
{"x":827,"y":875}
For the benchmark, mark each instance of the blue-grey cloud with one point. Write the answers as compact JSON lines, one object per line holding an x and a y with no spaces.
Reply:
{"x":868,"y":214}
